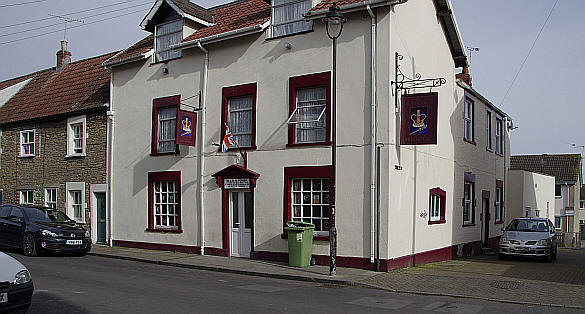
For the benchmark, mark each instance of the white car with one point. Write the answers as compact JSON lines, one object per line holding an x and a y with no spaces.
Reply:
{"x":16,"y":285}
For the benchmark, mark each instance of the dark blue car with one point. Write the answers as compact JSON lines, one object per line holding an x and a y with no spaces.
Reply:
{"x":36,"y":229}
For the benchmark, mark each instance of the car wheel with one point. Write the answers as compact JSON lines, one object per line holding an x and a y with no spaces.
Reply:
{"x":29,"y":247}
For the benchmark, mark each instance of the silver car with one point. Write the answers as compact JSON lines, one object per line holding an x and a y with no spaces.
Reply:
{"x":534,"y":237}
{"x":16,"y":286}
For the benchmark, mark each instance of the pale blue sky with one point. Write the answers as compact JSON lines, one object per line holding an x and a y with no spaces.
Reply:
{"x":546,"y":100}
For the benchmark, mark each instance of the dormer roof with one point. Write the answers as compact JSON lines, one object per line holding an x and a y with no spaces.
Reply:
{"x":165,"y":10}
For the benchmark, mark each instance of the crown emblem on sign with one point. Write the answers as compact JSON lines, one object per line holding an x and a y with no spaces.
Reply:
{"x":186,"y":125}
{"x":418,"y":119}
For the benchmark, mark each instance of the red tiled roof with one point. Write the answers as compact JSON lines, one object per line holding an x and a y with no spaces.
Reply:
{"x":233,"y":16}
{"x":325,"y":4}
{"x":194,"y":9}
{"x":228,"y":17}
{"x":564,"y":167}
{"x":80,"y":85}
{"x":139,"y":48}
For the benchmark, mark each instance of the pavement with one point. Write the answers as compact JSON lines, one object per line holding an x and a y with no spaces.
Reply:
{"x":519,"y":281}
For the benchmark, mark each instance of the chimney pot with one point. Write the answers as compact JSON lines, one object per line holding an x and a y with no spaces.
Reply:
{"x":464,"y":76}
{"x":63,"y":56}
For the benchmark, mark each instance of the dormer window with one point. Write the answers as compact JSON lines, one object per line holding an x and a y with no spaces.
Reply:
{"x":166,"y":35}
{"x":287,"y":17}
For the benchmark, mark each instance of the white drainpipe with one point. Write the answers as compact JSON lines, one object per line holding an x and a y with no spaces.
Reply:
{"x":373,"y":136}
{"x":202,"y":145}
{"x":110,"y":159}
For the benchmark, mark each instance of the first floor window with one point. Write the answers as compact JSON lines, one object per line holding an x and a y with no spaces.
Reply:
{"x":164,"y":200}
{"x":51,"y":197}
{"x":308,"y":192}
{"x":164,"y":121}
{"x":557,"y":222}
{"x":488,"y":129}
{"x":558,"y":190}
{"x":27,"y":143}
{"x":468,"y":200}
{"x":309,"y":109}
{"x":499,"y":138}
{"x":437,"y":205}
{"x":287,"y":17}
{"x":239,"y":107}
{"x":27,"y":197}
{"x":468,"y":120}
{"x":76,"y":136}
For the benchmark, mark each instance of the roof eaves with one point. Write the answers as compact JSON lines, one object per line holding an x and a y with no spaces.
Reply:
{"x":142,"y":56}
{"x":451,"y":30}
{"x":482,"y":98}
{"x":258,"y":28}
{"x":357,"y":6}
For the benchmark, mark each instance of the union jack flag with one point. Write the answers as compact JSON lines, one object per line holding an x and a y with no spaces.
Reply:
{"x":228,"y":140}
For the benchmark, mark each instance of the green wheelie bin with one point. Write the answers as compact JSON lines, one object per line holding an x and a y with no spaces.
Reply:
{"x":300,"y":243}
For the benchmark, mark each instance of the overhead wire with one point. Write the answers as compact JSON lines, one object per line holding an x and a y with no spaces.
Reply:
{"x":60,"y":23}
{"x":21,"y":3}
{"x":529,"y":52}
{"x":56,"y":31}
{"x":72,"y":13}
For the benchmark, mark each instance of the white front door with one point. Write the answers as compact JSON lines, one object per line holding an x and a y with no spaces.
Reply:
{"x":240,"y":222}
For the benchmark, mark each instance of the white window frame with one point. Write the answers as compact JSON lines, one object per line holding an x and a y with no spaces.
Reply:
{"x":239,"y":134}
{"x":27,"y":197}
{"x":499,"y":211}
{"x":71,"y":146}
{"x":527,"y":211}
{"x":308,"y":124}
{"x":51,"y":197}
{"x":537,"y":213}
{"x":298,"y":22}
{"x":316,"y":199}
{"x":488,"y":129}
{"x":560,"y":190}
{"x":171,"y":201}
{"x":31,"y":153}
{"x":173,"y":53}
{"x":581,"y":204}
{"x":468,"y":202}
{"x":498,"y":135}
{"x":435,"y":210}
{"x":70,"y":187}
{"x":468,"y":119}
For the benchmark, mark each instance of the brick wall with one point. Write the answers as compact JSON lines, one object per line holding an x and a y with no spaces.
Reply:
{"x":50,"y":168}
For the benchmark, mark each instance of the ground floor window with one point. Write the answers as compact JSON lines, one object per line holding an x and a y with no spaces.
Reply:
{"x":27,"y":197}
{"x":308,"y":196}
{"x":557,"y":222}
{"x":499,"y":204}
{"x":75,"y":197}
{"x":468,"y":200}
{"x":51,"y":197}
{"x":437,"y":206}
{"x":164,"y":201}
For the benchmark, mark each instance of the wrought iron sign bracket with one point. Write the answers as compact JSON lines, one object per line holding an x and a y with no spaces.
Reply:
{"x":404,"y":84}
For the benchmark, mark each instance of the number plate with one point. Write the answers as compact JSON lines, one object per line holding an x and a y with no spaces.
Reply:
{"x":73,"y":242}
{"x":3,"y":297}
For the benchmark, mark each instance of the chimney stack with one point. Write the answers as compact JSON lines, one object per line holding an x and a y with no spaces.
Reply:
{"x":63,"y":56}
{"x":464,"y":76}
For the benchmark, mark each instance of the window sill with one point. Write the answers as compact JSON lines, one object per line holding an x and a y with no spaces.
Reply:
{"x":437,"y":222}
{"x":327,"y":143}
{"x":25,"y":156}
{"x":75,"y":155}
{"x":499,"y":222}
{"x":163,"y":154}
{"x":235,"y":149}
{"x":500,"y":154}
{"x":163,"y":61}
{"x":164,"y":230}
{"x":469,"y":141}
{"x":468,"y":225}
{"x":315,"y":237}
{"x":287,"y":35}
{"x":489,"y":149}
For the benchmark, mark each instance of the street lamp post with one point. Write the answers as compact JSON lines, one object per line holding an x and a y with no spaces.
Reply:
{"x":334,"y":25}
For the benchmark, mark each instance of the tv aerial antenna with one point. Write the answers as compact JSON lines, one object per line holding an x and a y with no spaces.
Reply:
{"x":65,"y":21}
{"x":471,"y":50}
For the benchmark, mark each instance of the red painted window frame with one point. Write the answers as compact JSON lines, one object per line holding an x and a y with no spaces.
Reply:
{"x":158,"y":103}
{"x":163,"y":176}
{"x":317,"y":79}
{"x":249,"y":89}
{"x":306,"y":172}
{"x":443,"y":195}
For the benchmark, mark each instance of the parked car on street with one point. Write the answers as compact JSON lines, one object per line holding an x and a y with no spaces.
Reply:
{"x":16,"y":285}
{"x":36,"y":229}
{"x":533,"y":237}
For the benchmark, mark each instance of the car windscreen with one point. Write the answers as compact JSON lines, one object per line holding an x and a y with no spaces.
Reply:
{"x":35,"y":214}
{"x":528,"y":225}
{"x":58,"y":216}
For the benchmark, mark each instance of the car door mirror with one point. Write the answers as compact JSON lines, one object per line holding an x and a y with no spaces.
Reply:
{"x":17,"y":220}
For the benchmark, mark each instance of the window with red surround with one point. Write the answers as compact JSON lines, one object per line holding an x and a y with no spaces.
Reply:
{"x":437,"y":200}
{"x":307,"y":190}
{"x":309,"y":110}
{"x":164,"y":124}
{"x":239,"y":112}
{"x":164,"y":201}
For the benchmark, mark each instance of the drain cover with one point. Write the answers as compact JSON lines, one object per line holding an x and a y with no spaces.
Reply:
{"x":505,"y":284}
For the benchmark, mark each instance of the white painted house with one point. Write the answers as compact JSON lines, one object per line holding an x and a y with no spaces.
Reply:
{"x":530,"y":195}
{"x":266,"y":71}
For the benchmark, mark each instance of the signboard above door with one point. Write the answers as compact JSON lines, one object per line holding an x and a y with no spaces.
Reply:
{"x":236,"y":183}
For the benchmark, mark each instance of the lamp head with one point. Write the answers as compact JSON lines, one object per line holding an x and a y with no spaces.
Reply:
{"x":334,"y":21}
